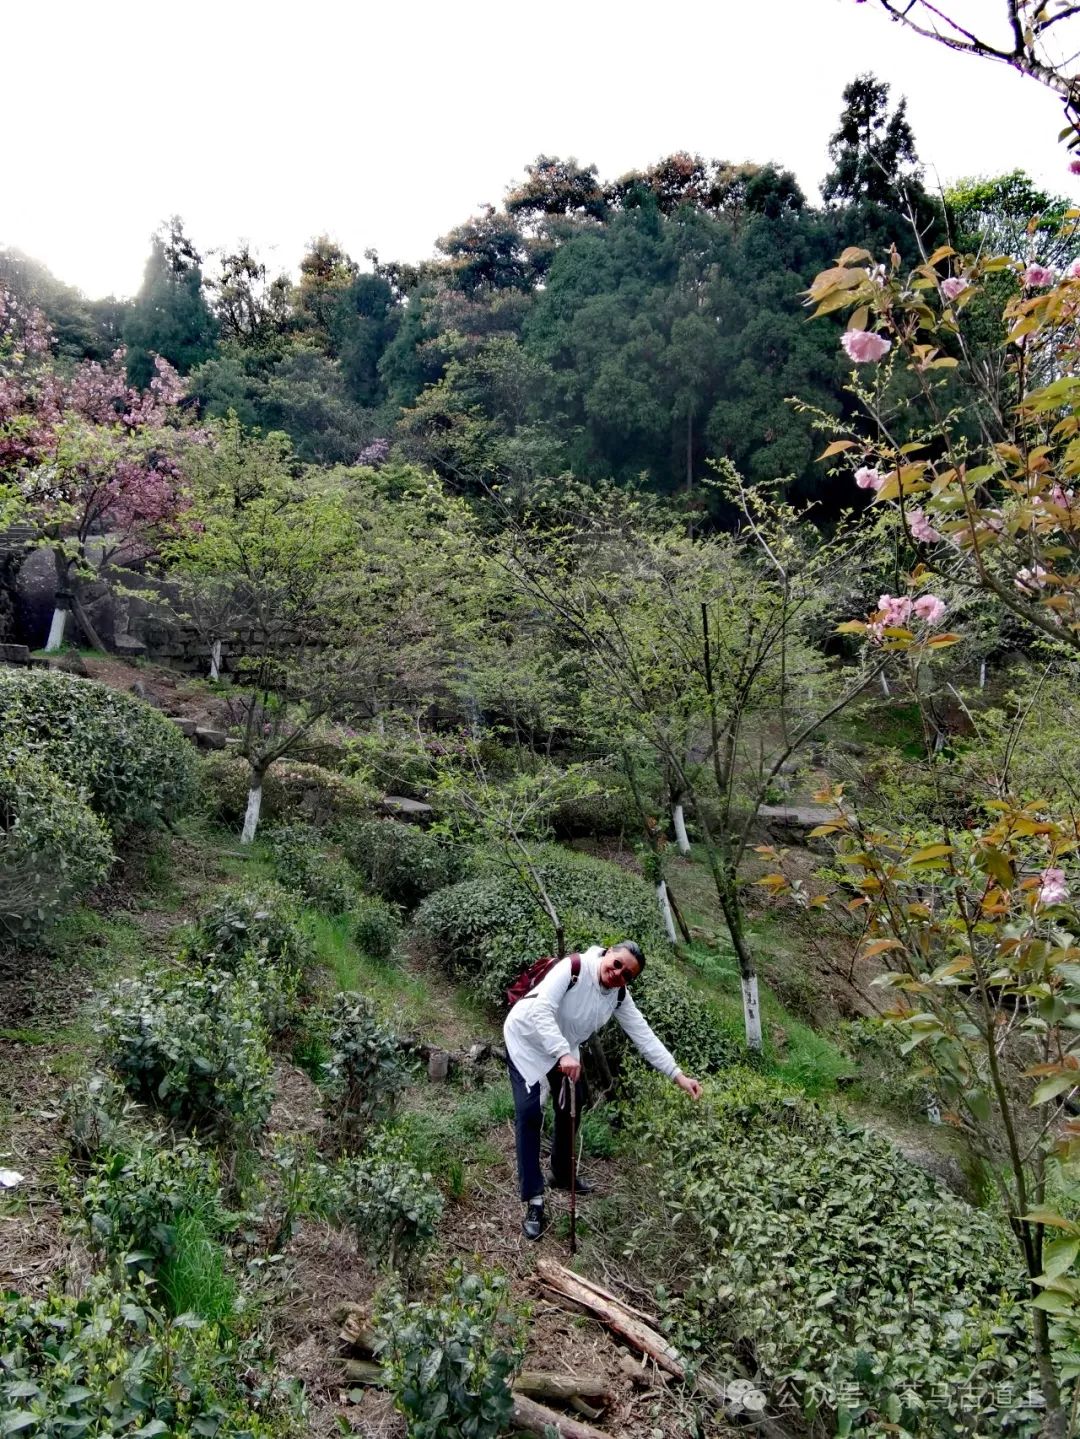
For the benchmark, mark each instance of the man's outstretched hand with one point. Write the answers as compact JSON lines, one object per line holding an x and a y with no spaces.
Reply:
{"x":692,"y":1086}
{"x":571,"y":1067}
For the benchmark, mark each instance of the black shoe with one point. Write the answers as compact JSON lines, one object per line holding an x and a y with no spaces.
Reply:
{"x":581,"y":1184}
{"x":532,"y":1226}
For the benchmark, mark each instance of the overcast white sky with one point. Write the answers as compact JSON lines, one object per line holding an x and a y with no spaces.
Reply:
{"x":385,"y":125}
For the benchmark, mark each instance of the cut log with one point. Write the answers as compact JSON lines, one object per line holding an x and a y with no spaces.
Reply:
{"x":364,"y":1371}
{"x":541,"y":1384}
{"x":357,"y":1335}
{"x":538,"y":1419}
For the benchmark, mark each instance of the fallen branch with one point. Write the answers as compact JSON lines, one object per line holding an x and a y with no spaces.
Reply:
{"x":629,"y":1323}
{"x":538,"y":1419}
{"x":638,"y":1330}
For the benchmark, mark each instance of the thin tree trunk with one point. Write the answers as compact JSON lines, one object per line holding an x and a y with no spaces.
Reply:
{"x":747,"y":969}
{"x":665,"y":911}
{"x":684,"y":928}
{"x":56,"y":630}
{"x":885,"y":690}
{"x":215,"y":660}
{"x":682,"y":839}
{"x":254,"y":807}
{"x":85,"y":625}
{"x":982,"y":674}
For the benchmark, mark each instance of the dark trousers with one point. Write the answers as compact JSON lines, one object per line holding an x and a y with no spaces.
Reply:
{"x":528,"y":1122}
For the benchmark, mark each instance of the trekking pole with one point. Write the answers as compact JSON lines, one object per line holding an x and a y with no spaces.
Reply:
{"x":573,"y":1155}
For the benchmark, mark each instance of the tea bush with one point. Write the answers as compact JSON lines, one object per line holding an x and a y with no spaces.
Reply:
{"x":53,"y":848}
{"x":194,"y":1046}
{"x":401,"y":862}
{"x":259,"y":919}
{"x":129,"y":1205}
{"x":450,"y":1360}
{"x":364,"y":1073}
{"x":490,"y":927}
{"x":292,"y":791}
{"x":870,"y":1297}
{"x":376,"y":927}
{"x":107,"y":1362}
{"x":133,"y":764}
{"x":301,"y":863}
{"x":97,"y":1118}
{"x":390,"y":1204}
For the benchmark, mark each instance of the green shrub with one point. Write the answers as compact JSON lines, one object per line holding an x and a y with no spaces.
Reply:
{"x":390,"y":1204}
{"x":261,"y":919}
{"x":97,"y":1118}
{"x":195,"y":1046}
{"x":301,"y":863}
{"x":133,"y":764}
{"x":396,"y":762}
{"x":610,"y":810}
{"x":490,"y":927}
{"x":401,"y":862}
{"x":130,"y":1204}
{"x":53,"y":848}
{"x":107,"y":1362}
{"x":292,"y":791}
{"x":363,"y":1075}
{"x":376,"y":927}
{"x":868,"y":1295}
{"x":450,"y":1360}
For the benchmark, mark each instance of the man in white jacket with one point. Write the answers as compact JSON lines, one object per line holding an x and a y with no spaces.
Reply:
{"x":544,"y":1032}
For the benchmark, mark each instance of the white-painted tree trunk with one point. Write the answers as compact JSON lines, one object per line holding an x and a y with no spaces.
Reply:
{"x":751,"y":1012}
{"x":682,"y":839}
{"x":885,"y":690}
{"x":665,"y":910}
{"x":982,"y":675}
{"x":56,"y":630}
{"x":215,"y":660}
{"x":251,"y":818}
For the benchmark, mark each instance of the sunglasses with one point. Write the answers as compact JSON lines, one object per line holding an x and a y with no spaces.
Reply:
{"x":624,"y":967}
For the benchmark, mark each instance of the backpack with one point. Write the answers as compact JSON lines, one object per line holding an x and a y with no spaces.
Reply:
{"x":528,"y":979}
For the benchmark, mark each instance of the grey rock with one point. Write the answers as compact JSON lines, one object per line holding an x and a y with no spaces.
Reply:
{"x":402,"y":808}
{"x":14,"y":654}
{"x":187,"y":727}
{"x":438,"y":1066}
{"x":210,"y":738}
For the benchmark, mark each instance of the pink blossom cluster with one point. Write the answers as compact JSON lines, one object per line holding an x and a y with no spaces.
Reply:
{"x":921,"y":528}
{"x":1030,"y":581}
{"x":955,"y":285}
{"x":863,"y":347}
{"x":868,"y":478}
{"x":1052,"y":886}
{"x":896,"y":612}
{"x":1037,"y":277}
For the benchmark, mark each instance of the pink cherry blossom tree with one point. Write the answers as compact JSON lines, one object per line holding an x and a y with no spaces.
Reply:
{"x":91,"y":463}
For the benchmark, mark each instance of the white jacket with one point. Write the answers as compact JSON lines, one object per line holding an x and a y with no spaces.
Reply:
{"x":556,"y":1019}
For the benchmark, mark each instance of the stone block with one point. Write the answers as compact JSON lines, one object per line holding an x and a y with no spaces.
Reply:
{"x":211,"y":738}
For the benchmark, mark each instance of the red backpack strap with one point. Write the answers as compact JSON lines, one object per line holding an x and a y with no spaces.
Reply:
{"x":575,"y":971}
